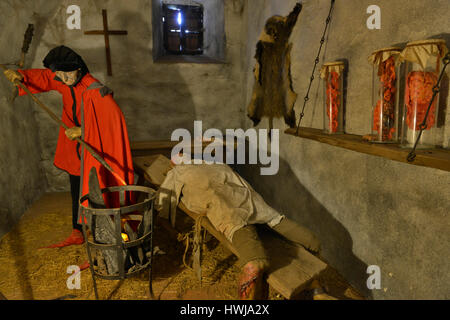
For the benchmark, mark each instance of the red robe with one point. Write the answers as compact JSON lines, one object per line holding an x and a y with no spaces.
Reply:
{"x":104,"y":129}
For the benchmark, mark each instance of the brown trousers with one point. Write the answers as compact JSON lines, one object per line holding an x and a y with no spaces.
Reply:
{"x":250,"y":248}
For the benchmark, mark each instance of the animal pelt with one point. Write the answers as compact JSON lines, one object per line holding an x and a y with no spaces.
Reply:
{"x":273,"y":95}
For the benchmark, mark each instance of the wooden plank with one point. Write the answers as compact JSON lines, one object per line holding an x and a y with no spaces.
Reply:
{"x":160,"y":144}
{"x":289,"y":280}
{"x":151,"y":145}
{"x":101,"y":32}
{"x":154,"y":168}
{"x":292,"y":267}
{"x":432,"y":158}
{"x":147,"y":148}
{"x":164,"y":147}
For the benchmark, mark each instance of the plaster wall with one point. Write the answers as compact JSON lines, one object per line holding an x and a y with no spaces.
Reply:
{"x":156,"y":98}
{"x":21,"y":177}
{"x":366,"y":210}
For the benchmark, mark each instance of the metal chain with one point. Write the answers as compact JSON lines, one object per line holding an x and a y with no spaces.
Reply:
{"x":306,"y":99}
{"x":423,"y":126}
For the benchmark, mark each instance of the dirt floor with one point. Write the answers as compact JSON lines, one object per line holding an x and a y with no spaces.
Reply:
{"x":41,"y":274}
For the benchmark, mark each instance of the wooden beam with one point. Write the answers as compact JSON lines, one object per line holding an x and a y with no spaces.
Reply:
{"x":101,"y":32}
{"x":292,"y":267}
{"x":106,"y":33}
{"x":432,"y":158}
{"x":160,"y":144}
{"x":153,"y":145}
{"x":164,"y":147}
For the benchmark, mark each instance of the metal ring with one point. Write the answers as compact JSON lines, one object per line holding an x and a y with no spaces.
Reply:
{"x":446,"y":59}
{"x":411,"y":157}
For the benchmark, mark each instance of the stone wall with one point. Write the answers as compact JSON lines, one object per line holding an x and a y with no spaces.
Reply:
{"x":366,"y":210}
{"x":156,"y":98}
{"x":21,"y":177}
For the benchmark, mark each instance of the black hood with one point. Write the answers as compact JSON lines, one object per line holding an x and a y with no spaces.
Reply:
{"x":64,"y":59}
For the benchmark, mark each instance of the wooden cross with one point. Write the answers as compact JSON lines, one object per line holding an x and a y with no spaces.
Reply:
{"x":106,"y":33}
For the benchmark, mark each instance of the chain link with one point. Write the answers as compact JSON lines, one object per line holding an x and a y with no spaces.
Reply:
{"x":316,"y":61}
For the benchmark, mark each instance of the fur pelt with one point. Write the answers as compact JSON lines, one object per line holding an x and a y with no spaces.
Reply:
{"x":273,"y":95}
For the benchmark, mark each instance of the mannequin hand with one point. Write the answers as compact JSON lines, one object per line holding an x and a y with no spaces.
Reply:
{"x":13,"y":75}
{"x":73,"y":133}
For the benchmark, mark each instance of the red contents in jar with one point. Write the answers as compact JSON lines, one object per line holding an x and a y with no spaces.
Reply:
{"x":333,"y":101}
{"x":384,"y":112}
{"x":419,"y":91}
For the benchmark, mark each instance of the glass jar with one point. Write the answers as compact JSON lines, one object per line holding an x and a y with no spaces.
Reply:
{"x":385,"y":95}
{"x":423,"y":65}
{"x":333,"y":98}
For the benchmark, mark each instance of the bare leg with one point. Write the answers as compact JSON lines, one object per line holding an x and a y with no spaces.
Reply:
{"x":253,"y":260}
{"x":251,"y":281}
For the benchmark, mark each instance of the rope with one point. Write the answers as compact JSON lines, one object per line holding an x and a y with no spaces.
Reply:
{"x":195,"y":233}
{"x":185,"y":237}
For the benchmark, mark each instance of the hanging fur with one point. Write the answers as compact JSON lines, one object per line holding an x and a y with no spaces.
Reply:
{"x":273,"y":95}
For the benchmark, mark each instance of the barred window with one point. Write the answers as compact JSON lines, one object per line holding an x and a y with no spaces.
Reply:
{"x":183,"y":29}
{"x":188,"y":31}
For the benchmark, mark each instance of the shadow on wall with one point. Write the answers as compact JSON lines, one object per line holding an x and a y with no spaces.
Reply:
{"x":154,"y":97}
{"x":41,"y":23}
{"x":297,"y":203}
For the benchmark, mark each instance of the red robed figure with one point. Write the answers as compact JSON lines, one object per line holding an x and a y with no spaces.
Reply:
{"x":103,"y":126}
